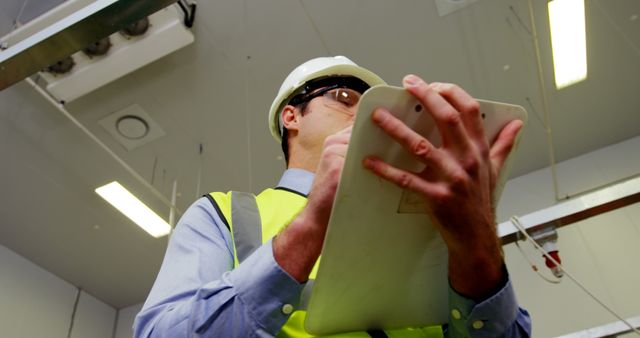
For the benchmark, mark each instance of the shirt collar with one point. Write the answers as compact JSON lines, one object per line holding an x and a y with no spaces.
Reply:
{"x":298,"y":180}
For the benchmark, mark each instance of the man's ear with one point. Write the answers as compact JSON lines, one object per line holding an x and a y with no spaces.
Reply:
{"x":291,"y":118}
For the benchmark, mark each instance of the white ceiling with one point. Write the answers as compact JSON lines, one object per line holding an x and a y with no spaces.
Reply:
{"x":19,"y":12}
{"x":218,"y":90}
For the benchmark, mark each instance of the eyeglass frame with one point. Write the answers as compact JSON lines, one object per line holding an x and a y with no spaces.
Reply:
{"x":322,"y":92}
{"x":326,"y":84}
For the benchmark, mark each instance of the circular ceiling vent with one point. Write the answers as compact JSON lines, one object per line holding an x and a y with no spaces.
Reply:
{"x":132,"y":127}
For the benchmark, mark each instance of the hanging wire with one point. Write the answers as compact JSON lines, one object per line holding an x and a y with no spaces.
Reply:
{"x":526,"y":28}
{"x":515,"y":220}
{"x":246,"y":95}
{"x":198,"y":182}
{"x":535,"y":112}
{"x":315,"y":28}
{"x":16,"y":22}
{"x":153,"y":170}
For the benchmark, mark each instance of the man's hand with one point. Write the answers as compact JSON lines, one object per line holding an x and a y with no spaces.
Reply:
{"x":305,"y":235}
{"x":325,"y":183}
{"x":457,"y":182}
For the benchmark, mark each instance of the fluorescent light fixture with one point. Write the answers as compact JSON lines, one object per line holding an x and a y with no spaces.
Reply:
{"x":134,"y":209}
{"x":568,"y":40}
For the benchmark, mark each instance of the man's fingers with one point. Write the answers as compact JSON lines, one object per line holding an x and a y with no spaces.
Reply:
{"x":503,"y":144}
{"x":446,"y":117}
{"x":466,"y":105}
{"x":413,"y":142}
{"x":403,"y":179}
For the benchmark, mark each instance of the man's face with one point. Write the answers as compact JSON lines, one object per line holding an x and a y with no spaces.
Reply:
{"x":332,"y":110}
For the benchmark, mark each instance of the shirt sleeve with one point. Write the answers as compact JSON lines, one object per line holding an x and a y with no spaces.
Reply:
{"x":496,"y":316}
{"x":198,"y":293}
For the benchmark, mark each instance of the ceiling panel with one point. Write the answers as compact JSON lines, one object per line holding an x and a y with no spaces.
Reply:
{"x":53,"y":217}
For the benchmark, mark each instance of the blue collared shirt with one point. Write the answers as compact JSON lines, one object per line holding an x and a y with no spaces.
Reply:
{"x":198,"y":293}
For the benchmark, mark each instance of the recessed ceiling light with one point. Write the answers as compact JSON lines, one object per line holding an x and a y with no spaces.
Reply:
{"x":132,"y":127}
{"x":134,"y":209}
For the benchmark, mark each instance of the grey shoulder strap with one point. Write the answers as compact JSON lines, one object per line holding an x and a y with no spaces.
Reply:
{"x":247,"y":233}
{"x":246,"y":224}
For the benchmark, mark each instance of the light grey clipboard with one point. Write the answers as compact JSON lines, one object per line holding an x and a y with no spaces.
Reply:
{"x":383,"y":263}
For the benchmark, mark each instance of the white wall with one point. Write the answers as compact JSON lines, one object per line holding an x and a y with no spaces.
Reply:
{"x":93,"y":318}
{"x":602,"y":252}
{"x":125,"y":320}
{"x":36,"y":303}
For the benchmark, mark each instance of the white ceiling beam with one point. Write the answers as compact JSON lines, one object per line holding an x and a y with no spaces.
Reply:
{"x":591,"y":204}
{"x":607,"y":330}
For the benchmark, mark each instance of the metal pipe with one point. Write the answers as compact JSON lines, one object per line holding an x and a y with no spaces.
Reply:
{"x":124,"y":164}
{"x":545,"y":106}
{"x":547,"y":119}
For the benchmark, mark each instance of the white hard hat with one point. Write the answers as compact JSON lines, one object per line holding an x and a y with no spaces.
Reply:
{"x":311,"y":70}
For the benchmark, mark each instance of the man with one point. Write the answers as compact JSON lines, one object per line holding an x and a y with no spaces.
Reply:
{"x":236,"y":266}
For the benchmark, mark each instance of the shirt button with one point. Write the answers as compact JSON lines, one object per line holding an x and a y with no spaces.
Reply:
{"x":287,"y":309}
{"x":478,"y":324}
{"x":455,"y":314}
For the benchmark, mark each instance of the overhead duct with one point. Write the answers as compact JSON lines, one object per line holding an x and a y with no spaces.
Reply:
{"x":119,"y":54}
{"x":66,"y":29}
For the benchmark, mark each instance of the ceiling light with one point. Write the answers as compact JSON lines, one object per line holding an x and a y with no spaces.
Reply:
{"x":134,"y":209}
{"x":568,"y":41}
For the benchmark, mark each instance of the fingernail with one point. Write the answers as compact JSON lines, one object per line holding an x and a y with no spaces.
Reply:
{"x":410,"y":80}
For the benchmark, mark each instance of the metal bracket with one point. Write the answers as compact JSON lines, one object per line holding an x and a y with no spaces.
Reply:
{"x":189,"y":11}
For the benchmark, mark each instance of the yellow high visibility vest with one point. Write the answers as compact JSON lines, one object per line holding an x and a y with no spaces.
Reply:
{"x":260,"y":218}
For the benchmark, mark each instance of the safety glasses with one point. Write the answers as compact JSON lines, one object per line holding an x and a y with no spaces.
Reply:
{"x":347,"y":97}
{"x":345,"y":90}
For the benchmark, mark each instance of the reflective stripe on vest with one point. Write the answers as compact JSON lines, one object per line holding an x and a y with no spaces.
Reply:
{"x":244,"y":212}
{"x":254,"y":220}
